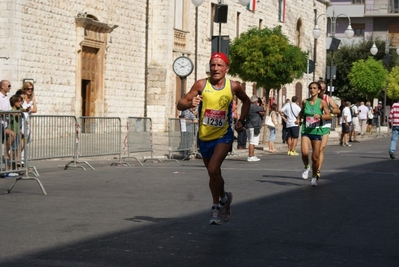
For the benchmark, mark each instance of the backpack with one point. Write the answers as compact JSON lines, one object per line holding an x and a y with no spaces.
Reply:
{"x":353,"y":112}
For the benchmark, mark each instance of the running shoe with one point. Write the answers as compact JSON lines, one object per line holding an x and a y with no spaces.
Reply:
{"x":305,"y":173}
{"x":215,"y":216}
{"x":318,"y":175}
{"x":253,"y":158}
{"x":289,"y":153}
{"x":314,"y":181}
{"x":294,"y":153}
{"x":347,"y":144}
{"x":392,"y":155}
{"x":225,"y":208}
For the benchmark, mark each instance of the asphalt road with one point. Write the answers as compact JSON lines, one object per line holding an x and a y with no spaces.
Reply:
{"x":157,"y":214}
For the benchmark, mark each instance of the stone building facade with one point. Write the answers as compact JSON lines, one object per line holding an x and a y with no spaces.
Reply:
{"x":114,"y":58}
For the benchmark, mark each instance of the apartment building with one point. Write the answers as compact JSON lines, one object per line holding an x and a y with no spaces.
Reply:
{"x":114,"y":58}
{"x":371,"y":19}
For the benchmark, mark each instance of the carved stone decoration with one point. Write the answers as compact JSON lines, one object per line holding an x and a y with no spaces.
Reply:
{"x":91,"y":32}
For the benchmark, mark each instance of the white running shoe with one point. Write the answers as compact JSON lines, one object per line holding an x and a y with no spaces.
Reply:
{"x":313,"y":182}
{"x":253,"y":158}
{"x":216,"y":218}
{"x":225,"y":209}
{"x":305,"y":173}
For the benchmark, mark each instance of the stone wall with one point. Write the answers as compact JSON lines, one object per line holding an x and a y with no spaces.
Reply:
{"x":40,"y":40}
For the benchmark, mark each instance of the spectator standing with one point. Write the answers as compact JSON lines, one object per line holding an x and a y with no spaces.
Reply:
{"x":370,"y":117}
{"x":393,"y":121}
{"x":355,"y":127}
{"x":363,"y":116}
{"x":191,"y":130}
{"x":16,"y":121}
{"x":378,"y":114}
{"x":242,"y":135}
{"x":313,"y":111}
{"x":7,"y":134}
{"x":284,"y":131}
{"x":346,"y":121}
{"x":30,"y":105}
{"x":290,"y":112}
{"x":26,"y":112}
{"x":213,"y":96}
{"x":30,"y":100}
{"x":253,"y":124}
{"x":273,"y":130}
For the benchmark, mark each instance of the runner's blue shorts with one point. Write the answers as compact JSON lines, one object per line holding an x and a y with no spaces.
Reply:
{"x":208,"y":147}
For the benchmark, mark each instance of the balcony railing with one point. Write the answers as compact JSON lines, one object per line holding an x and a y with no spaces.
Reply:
{"x":180,"y":39}
{"x":386,"y":9}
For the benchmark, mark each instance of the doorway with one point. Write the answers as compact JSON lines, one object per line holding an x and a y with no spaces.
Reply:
{"x":89,"y":76}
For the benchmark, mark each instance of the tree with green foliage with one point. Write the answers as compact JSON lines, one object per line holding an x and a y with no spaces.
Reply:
{"x":349,"y":53}
{"x":393,"y":84}
{"x":368,"y":77}
{"x":266,"y":57}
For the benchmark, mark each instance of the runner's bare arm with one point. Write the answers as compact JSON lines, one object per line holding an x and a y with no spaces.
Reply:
{"x":193,"y":97}
{"x":246,"y":102}
{"x":334,"y":106}
{"x":300,"y":115}
{"x":326,"y":111}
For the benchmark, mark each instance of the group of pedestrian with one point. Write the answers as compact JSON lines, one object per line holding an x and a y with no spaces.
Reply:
{"x":357,"y":120}
{"x":15,"y":128}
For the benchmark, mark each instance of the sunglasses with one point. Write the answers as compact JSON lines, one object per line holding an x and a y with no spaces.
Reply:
{"x":29,"y":89}
{"x":9,"y":86}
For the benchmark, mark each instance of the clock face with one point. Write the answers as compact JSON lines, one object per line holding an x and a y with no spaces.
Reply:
{"x":183,"y":66}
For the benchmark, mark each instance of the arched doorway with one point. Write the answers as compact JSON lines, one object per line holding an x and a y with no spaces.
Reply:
{"x":92,"y":37}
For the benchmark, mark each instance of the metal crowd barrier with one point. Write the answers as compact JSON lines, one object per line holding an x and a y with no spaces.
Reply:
{"x":139,"y":137}
{"x":98,"y":136}
{"x":52,"y":137}
{"x":182,"y":137}
{"x":14,"y":150}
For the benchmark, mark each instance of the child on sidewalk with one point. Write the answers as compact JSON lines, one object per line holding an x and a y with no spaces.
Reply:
{"x":16,"y":123}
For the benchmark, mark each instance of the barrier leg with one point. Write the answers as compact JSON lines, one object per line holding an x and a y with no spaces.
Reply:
{"x":75,"y":164}
{"x":27,"y":178}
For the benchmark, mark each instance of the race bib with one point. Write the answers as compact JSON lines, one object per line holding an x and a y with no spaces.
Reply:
{"x":215,"y":118}
{"x":312,"y":122}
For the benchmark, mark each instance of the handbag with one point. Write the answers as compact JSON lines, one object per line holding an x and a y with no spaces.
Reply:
{"x":370,"y":115}
{"x":269,"y":122}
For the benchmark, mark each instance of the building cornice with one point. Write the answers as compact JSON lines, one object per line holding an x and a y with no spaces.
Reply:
{"x":326,"y":2}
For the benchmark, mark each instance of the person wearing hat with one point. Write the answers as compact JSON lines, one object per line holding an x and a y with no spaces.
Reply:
{"x":214,"y":96}
{"x":378,"y":114}
{"x":253,"y":125}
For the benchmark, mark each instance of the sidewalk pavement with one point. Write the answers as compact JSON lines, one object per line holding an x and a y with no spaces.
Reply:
{"x":161,"y":147}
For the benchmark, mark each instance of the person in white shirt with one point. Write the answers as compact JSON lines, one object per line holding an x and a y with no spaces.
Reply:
{"x":291,"y":111}
{"x":346,"y":120}
{"x":355,"y":126}
{"x":363,"y":110}
{"x":6,"y":133}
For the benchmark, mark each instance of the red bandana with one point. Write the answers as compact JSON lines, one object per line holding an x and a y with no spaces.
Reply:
{"x":220,"y":55}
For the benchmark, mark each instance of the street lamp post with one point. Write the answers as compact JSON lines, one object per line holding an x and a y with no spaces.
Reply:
{"x":348,"y":33}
